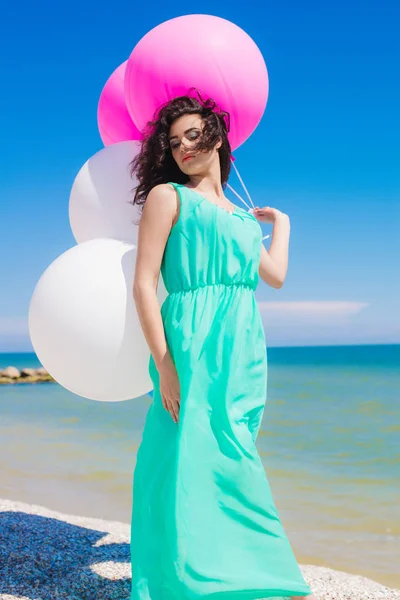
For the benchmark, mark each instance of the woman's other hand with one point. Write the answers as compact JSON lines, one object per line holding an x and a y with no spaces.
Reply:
{"x":169,"y":386}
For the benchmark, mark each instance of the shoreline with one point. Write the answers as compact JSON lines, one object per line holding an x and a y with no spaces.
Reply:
{"x":46,"y":549}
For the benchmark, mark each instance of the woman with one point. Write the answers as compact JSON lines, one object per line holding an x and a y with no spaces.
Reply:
{"x":203,"y":518}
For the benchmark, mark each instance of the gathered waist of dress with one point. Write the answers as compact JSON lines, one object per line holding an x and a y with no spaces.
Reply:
{"x":244,"y":284}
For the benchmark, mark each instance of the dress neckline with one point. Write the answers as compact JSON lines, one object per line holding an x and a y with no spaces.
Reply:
{"x":212,"y":203}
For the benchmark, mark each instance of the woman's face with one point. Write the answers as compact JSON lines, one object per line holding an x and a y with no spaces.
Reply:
{"x":184,"y":134}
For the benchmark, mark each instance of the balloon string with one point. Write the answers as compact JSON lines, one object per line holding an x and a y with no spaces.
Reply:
{"x":237,"y":195}
{"x":245,"y":189}
{"x":242,"y":182}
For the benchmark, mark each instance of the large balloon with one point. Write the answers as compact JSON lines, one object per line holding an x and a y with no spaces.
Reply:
{"x":113,"y":119}
{"x":84,"y":326}
{"x":100,"y":203}
{"x":204,"y":51}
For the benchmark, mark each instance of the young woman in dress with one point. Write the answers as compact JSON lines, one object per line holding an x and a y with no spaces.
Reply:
{"x":204,"y":521}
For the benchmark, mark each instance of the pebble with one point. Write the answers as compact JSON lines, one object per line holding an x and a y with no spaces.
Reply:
{"x":48,"y":555}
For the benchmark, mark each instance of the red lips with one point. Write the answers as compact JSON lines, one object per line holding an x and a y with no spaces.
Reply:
{"x":187,"y":157}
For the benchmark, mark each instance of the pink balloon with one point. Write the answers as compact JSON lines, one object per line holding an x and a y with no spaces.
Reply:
{"x":207,"y":52}
{"x":113,"y":119}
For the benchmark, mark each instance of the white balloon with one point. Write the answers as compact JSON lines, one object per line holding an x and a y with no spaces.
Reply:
{"x":100,"y":203}
{"x":83,"y":322}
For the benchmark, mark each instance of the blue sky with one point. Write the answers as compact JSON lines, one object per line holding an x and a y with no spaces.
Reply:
{"x":326,"y":151}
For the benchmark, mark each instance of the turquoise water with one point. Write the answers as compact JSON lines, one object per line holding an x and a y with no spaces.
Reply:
{"x":330,"y":443}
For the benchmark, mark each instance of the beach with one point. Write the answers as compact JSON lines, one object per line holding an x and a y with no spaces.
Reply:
{"x":329,"y":442}
{"x":47,"y":554}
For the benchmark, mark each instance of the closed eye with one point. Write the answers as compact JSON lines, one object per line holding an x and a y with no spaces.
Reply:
{"x":194,"y":134}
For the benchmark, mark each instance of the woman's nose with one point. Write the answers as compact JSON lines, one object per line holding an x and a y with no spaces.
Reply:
{"x":184,"y":147}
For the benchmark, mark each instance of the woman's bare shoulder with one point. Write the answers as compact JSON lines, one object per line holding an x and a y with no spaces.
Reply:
{"x":162,"y":190}
{"x":161,"y":200}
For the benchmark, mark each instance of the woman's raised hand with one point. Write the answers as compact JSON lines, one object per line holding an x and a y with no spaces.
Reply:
{"x":267,"y":214}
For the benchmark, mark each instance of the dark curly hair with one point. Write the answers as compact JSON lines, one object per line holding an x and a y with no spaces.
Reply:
{"x":155,"y":164}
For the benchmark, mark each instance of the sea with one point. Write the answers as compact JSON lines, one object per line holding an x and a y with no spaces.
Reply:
{"x":329,"y":441}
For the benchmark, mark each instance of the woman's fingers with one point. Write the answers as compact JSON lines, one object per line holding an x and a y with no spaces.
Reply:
{"x":175,"y":410}
{"x":172,"y":406}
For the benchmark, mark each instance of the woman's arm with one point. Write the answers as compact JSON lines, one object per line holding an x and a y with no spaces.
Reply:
{"x":274,"y":262}
{"x":155,"y":225}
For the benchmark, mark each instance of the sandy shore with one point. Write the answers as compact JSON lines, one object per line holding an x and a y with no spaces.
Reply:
{"x":45,"y":554}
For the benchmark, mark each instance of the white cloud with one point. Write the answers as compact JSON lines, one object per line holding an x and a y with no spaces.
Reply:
{"x":327,"y":322}
{"x":312,"y":310}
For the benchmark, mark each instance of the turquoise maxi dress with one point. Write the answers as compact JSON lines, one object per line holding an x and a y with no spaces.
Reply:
{"x":203,"y":518}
